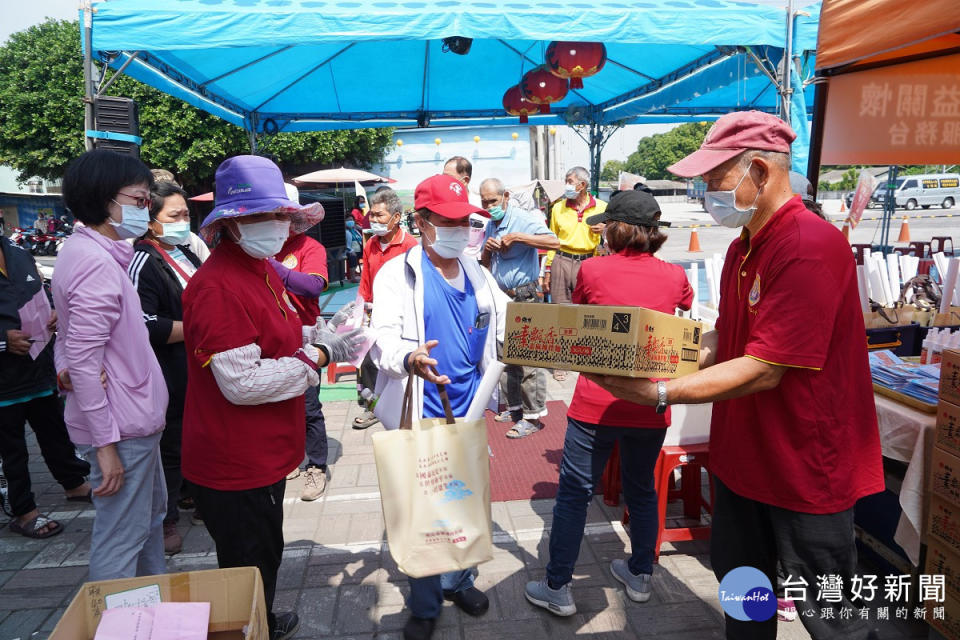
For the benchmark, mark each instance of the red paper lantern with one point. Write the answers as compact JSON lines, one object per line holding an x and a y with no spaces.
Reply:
{"x":541,"y":87}
{"x":516,"y":105}
{"x":576,"y":60}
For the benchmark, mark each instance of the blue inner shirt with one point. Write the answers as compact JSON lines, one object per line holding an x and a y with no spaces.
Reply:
{"x":450,"y":317}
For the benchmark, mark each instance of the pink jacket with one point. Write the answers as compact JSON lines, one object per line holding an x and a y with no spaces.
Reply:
{"x":101,"y":327}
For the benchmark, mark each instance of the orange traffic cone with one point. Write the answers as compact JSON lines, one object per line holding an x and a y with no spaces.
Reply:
{"x":694,"y":246}
{"x":843,"y":205}
{"x":904,"y":231}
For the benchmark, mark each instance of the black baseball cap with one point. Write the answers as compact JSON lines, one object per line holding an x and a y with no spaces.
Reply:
{"x":633,"y":207}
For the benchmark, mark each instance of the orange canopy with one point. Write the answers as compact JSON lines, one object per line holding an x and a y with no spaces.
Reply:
{"x":858,"y":32}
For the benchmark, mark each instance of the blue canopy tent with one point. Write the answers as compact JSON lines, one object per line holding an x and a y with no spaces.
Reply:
{"x":299,"y":65}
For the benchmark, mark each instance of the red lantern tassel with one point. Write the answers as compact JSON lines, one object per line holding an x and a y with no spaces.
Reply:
{"x":523,"y":118}
{"x":544,"y":108}
{"x":576,"y":82}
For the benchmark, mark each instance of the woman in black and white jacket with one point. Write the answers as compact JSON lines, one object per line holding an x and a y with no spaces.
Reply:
{"x":161,"y":268}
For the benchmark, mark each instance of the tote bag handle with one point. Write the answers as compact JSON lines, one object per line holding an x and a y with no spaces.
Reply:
{"x":406,"y":408}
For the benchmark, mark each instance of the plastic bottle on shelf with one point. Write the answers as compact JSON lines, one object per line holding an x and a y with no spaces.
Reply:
{"x":369,"y":399}
{"x":927,"y":348}
{"x":943,"y":338}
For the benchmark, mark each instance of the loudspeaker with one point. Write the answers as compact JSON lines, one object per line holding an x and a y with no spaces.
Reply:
{"x":116,"y":115}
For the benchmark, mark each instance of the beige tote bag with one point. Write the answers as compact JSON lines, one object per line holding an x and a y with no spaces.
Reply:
{"x":434,"y":480}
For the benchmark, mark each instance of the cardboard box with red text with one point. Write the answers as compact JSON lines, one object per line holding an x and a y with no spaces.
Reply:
{"x":950,"y":376}
{"x":948,"y":427}
{"x":237,"y":606}
{"x":622,"y":341}
{"x":945,"y":475}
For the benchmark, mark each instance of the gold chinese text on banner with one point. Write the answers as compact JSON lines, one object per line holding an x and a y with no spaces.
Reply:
{"x":434,"y":478}
{"x":901,"y":114}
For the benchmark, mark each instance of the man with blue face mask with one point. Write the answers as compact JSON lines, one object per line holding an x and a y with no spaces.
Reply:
{"x":510,"y":252}
{"x":793,"y":437}
{"x":439,"y":316}
{"x":578,"y":240}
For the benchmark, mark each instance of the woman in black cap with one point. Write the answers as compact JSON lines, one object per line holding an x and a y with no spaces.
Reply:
{"x":597,"y":420}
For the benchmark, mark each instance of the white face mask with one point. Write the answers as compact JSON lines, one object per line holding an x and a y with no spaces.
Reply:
{"x":263,"y":239}
{"x":379,"y":228}
{"x":450,"y":241}
{"x":570,"y":192}
{"x":133,"y":221}
{"x":722,"y":206}
{"x":175,"y":232}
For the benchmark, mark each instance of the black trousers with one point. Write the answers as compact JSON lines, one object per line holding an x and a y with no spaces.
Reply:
{"x":247,"y":527}
{"x":317,"y":446}
{"x":367,"y":377}
{"x":46,"y":419}
{"x":750,"y":533}
{"x":170,"y":444}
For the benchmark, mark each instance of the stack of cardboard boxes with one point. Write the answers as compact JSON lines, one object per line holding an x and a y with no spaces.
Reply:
{"x":943,"y":523}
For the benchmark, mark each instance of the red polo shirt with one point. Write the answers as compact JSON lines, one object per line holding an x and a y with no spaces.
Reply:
{"x":789,"y":296}
{"x":374,"y":257}
{"x":655,"y":285}
{"x":304,"y":254}
{"x":233,"y":301}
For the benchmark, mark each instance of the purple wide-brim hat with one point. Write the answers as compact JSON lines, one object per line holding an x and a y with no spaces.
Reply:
{"x":247,"y":185}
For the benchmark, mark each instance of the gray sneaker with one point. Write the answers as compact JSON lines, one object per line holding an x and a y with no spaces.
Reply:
{"x":315,"y":485}
{"x":558,"y":602}
{"x":638,"y":587}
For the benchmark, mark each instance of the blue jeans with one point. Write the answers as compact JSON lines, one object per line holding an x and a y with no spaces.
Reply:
{"x":127,"y":537}
{"x":426,"y":594}
{"x":585,"y":452}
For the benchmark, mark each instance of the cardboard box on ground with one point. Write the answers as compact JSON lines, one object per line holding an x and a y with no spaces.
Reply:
{"x":624,"y":341}
{"x":237,"y":606}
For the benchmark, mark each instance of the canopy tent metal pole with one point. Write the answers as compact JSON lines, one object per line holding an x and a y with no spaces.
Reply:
{"x":88,"y":124}
{"x":889,"y":207}
{"x":786,"y":83}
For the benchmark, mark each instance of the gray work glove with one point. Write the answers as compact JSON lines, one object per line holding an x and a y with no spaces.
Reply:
{"x":343,"y":315}
{"x":340,"y":347}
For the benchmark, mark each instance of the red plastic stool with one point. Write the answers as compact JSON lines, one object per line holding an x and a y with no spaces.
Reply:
{"x":335,"y":369}
{"x":691,"y":459}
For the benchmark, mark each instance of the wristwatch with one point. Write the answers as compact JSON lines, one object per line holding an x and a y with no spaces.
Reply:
{"x":661,"y":397}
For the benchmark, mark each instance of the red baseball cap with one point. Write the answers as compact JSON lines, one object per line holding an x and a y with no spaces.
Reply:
{"x":733,"y":134}
{"x":445,"y":196}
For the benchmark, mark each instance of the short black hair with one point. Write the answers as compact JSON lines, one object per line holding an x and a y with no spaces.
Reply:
{"x":461,"y":165}
{"x":160,"y":192}
{"x":94,"y":178}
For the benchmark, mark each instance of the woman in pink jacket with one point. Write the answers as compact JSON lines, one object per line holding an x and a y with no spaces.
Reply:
{"x":115,"y":393}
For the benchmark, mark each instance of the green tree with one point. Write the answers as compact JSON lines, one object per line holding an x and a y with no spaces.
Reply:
{"x":657,"y":152}
{"x":611,"y":170}
{"x":41,"y":119}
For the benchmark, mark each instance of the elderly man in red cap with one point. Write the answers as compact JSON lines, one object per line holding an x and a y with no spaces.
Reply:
{"x":793,"y":441}
{"x":439,"y":315}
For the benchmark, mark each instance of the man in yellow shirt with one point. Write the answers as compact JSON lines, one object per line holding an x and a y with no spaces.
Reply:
{"x":578,"y":240}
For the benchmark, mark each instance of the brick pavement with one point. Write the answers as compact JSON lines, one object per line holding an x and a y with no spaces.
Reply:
{"x":338,"y":574}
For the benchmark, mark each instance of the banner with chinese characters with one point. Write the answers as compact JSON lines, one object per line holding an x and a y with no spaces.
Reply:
{"x":902,"y":114}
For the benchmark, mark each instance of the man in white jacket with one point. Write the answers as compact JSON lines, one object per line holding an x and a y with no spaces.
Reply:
{"x":436,"y":310}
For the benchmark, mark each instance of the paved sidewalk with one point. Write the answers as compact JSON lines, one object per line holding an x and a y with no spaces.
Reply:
{"x":338,"y":574}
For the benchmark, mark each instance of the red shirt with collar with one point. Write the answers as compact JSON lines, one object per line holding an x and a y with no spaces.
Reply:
{"x":232,"y":301}
{"x":657,"y":285}
{"x":304,"y":254}
{"x":788,"y":296}
{"x":374,"y":257}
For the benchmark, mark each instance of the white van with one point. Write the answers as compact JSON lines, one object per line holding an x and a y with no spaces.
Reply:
{"x":924,"y":190}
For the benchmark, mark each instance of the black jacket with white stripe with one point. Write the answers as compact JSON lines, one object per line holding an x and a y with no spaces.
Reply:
{"x":160,"y":292}
{"x":21,"y":376}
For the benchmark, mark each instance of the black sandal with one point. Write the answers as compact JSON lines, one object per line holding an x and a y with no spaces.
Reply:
{"x":31,"y":528}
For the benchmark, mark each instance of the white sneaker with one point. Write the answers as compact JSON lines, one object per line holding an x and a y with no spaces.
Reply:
{"x":315,"y":484}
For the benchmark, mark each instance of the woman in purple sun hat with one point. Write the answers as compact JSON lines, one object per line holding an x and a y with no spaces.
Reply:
{"x":249,"y":362}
